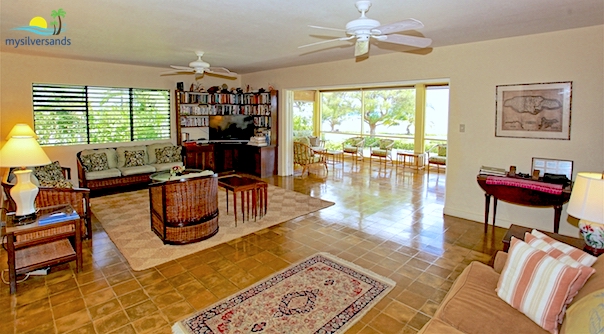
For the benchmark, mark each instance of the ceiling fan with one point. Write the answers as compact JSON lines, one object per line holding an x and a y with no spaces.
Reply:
{"x":200,"y":67}
{"x":364,"y":28}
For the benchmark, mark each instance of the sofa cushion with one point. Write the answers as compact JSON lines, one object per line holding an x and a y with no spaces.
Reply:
{"x":137,"y":170}
{"x":594,"y":283}
{"x":586,"y":315}
{"x":151,"y":151}
{"x":472,"y":305}
{"x":103,"y":174}
{"x":536,"y":284}
{"x":168,"y":154}
{"x":51,"y":175}
{"x":556,"y":248}
{"x":110,"y":152}
{"x":134,"y":158}
{"x":585,"y":273}
{"x":95,"y":162}
{"x":166,"y":166}
{"x":121,"y":154}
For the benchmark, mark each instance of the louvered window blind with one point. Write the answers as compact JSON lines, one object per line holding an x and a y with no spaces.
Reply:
{"x":72,"y":115}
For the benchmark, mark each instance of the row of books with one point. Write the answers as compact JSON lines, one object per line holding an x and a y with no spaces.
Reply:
{"x":258,"y":141}
{"x":226,"y":109}
{"x":223,"y":98}
{"x":486,"y":170}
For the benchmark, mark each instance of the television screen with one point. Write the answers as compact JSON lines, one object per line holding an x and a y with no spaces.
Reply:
{"x":231,"y":127}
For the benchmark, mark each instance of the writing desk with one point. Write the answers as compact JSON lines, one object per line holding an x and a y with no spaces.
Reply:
{"x":521,"y":196}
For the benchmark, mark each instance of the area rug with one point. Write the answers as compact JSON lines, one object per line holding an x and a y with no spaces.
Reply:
{"x":126,"y":219}
{"x":321,"y":294}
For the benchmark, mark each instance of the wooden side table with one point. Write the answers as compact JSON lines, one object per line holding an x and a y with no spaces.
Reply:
{"x":518,"y":231}
{"x":247,"y":187}
{"x":416,"y":158}
{"x":43,"y":242}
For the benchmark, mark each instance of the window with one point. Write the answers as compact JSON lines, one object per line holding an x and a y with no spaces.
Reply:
{"x":72,"y":115}
{"x":437,"y":114}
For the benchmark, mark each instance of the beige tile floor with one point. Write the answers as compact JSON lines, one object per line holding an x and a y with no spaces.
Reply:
{"x":387,"y":221}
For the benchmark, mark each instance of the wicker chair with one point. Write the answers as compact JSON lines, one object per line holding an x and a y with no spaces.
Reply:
{"x":438,"y":159}
{"x":185,"y":211}
{"x":305,"y":156}
{"x":78,"y":198}
{"x":354,"y":147}
{"x":383,"y":151}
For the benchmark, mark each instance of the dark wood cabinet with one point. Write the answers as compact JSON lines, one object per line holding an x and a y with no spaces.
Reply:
{"x":200,"y":156}
{"x":256,"y":160}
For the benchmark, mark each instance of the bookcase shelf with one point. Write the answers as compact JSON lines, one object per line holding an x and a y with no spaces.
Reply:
{"x":193,"y":110}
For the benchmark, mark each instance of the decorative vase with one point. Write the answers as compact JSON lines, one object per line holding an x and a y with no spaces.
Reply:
{"x":593,"y":233}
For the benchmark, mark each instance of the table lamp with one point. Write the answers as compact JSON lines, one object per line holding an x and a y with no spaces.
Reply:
{"x":22,"y":150}
{"x":587,"y":204}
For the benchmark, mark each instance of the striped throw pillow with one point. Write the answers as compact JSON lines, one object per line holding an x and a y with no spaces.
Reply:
{"x":584,"y":274}
{"x":560,"y":247}
{"x":536,"y":284}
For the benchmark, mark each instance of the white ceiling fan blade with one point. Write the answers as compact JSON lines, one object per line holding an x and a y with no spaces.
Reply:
{"x":418,"y":42}
{"x":221,"y":71}
{"x":408,"y":24}
{"x":182,"y":68}
{"x":175,"y":72}
{"x":327,"y":41}
{"x":326,"y":28}
{"x":361,"y":48}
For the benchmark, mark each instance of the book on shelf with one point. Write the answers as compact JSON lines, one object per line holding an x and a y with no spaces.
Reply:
{"x":495,"y":171}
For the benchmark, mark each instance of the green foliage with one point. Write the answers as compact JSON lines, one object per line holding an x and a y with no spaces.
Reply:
{"x":338,"y":106}
{"x":389,"y":107}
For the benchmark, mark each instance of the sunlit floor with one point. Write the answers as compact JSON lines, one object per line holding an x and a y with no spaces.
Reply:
{"x":388,"y":221}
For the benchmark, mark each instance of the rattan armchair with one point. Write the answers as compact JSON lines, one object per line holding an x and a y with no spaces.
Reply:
{"x":184,"y":211}
{"x":383,"y":151}
{"x":305,"y":156}
{"x":78,"y":198}
{"x":438,"y":158}
{"x":354,"y":147}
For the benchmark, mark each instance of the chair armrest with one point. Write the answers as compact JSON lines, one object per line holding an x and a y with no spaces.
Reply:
{"x":500,"y":259}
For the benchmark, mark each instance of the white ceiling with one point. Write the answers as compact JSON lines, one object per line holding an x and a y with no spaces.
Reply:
{"x":248,"y":36}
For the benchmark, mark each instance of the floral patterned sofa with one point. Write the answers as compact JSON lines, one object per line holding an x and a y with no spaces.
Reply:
{"x":106,"y":168}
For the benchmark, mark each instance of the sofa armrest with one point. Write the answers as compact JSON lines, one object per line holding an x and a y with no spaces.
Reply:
{"x":499,"y":262}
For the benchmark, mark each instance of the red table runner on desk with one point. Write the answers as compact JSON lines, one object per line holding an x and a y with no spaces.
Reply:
{"x":549,"y":188}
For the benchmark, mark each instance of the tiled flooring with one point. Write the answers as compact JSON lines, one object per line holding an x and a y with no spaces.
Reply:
{"x":389,"y":222}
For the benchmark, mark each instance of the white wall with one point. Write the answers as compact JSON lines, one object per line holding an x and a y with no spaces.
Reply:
{"x":474,"y":70}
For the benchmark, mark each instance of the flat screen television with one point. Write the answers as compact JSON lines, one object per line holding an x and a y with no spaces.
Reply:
{"x":231,"y":128}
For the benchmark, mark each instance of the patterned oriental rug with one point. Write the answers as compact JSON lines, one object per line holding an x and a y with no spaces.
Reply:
{"x":322,"y":294}
{"x":126,"y":219}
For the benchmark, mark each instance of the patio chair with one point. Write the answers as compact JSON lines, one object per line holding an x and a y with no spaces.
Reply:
{"x":305,"y":156}
{"x":383,"y":152}
{"x":354,"y":147}
{"x":438,"y":158}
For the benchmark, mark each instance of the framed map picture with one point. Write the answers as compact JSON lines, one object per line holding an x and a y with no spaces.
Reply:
{"x":538,"y":111}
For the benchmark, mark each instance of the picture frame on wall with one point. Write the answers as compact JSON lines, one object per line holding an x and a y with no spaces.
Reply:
{"x":537,"y":110}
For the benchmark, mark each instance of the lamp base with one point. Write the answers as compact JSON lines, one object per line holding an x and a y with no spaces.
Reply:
{"x":25,"y":219}
{"x":593,"y":251}
{"x":593,"y":233}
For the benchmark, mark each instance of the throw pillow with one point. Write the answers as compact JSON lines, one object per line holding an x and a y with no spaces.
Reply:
{"x":560,"y":247}
{"x":585,"y":315}
{"x":586,"y":271}
{"x":94,"y":162}
{"x":134,"y":158}
{"x":51,"y":175}
{"x":168,"y":154}
{"x":536,"y":284}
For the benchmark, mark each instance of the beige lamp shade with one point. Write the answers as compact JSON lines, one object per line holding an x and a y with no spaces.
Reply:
{"x":21,"y":130}
{"x":587,"y":198}
{"x":22,"y":152}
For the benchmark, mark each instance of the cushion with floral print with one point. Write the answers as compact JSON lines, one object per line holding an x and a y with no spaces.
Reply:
{"x":94,"y":162}
{"x":135,"y":158}
{"x":168,"y":154}
{"x":51,"y":175}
